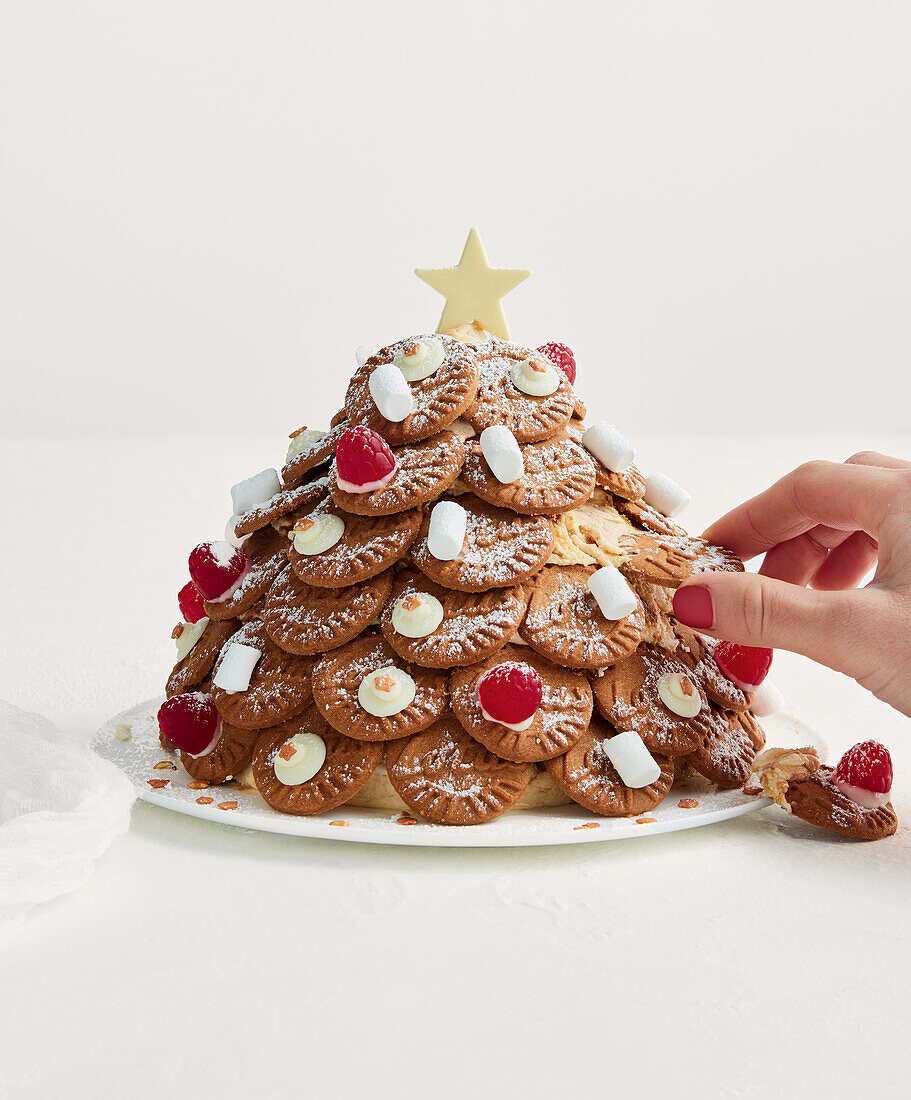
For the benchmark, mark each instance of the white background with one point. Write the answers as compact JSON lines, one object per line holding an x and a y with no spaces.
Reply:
{"x":207,"y":206}
{"x":203,"y":209}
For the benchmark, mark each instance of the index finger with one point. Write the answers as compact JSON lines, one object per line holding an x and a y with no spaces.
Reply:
{"x":840,"y":495}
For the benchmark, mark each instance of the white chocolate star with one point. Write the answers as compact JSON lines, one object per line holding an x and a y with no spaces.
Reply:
{"x":473,"y":289}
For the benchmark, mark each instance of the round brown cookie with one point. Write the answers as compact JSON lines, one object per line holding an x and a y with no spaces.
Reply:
{"x":268,"y":551}
{"x":230,"y":756}
{"x":558,"y":476}
{"x":565,"y":625}
{"x":558,"y":723}
{"x":369,"y":545}
{"x":819,"y":802}
{"x":304,"y":619}
{"x":586,"y":774}
{"x":647,"y":517}
{"x":725,"y":754}
{"x":753,"y":729}
{"x":627,"y":696}
{"x":437,"y":400}
{"x":658,"y":608}
{"x":282,"y":504}
{"x":657,"y":561}
{"x":338,"y":676}
{"x":500,"y":549}
{"x":667,"y":560}
{"x":628,"y":486}
{"x":280,"y":685}
{"x":475,"y":624}
{"x":447,"y":777}
{"x":423,"y":471}
{"x":695,"y":651}
{"x":189,"y":673}
{"x":297,"y":469}
{"x":500,"y":402}
{"x":347,"y":767}
{"x":578,"y":407}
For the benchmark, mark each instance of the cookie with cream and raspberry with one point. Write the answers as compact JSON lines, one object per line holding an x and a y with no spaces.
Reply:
{"x":557,"y":723}
{"x":422,"y":471}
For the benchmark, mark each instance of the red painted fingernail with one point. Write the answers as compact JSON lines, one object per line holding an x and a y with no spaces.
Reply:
{"x":693,"y":607}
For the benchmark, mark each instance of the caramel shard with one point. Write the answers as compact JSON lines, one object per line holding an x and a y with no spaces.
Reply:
{"x":776,"y":768}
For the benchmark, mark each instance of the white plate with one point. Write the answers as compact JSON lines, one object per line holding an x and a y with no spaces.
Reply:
{"x":557,"y":825}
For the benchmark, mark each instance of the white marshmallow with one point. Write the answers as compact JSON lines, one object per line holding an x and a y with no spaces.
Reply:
{"x":499,"y":447}
{"x":634,"y":763}
{"x":612,"y":594}
{"x":231,"y":535}
{"x":390,"y":392}
{"x":448,"y":523}
{"x":236,"y":668}
{"x":766,"y":700}
{"x":610,"y":446}
{"x":665,"y":495}
{"x":254,"y":490}
{"x":189,"y":636}
{"x":299,"y":759}
{"x":365,"y":352}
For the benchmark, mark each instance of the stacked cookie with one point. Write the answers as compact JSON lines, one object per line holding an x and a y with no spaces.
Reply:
{"x":456,"y":600}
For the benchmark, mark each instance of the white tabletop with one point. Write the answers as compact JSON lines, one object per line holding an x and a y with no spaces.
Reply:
{"x":757,"y":957}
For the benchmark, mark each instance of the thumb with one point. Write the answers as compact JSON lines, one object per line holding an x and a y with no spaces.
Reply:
{"x":760,"y":611}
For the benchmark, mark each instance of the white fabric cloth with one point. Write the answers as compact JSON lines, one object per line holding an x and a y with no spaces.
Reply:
{"x":61,"y":806}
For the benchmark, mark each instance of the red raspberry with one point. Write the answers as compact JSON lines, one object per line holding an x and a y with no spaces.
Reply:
{"x":363,"y":459}
{"x":744,"y":665}
{"x":189,"y":600}
{"x":867,"y":765}
{"x":216,"y":569}
{"x":562,"y":357}
{"x":510,"y":693}
{"x":191,"y":722}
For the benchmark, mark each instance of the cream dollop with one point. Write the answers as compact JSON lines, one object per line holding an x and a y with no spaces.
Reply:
{"x":299,"y":759}
{"x":535,"y":376}
{"x":679,"y":694}
{"x":386,"y":691}
{"x":303,"y":440}
{"x":189,"y":636}
{"x":420,"y":358}
{"x":416,"y":614}
{"x":315,"y":534}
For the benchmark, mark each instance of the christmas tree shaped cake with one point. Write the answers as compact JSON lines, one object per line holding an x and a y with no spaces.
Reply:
{"x":456,"y":600}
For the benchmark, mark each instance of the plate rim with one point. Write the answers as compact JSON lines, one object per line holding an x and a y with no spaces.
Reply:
{"x":425,"y":834}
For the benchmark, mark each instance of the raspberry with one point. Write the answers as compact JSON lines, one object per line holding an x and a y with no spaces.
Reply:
{"x":363,"y":460}
{"x":510,"y":693}
{"x":190,"y":722}
{"x":561,"y":356}
{"x":189,"y":600}
{"x":217,"y":568}
{"x":744,"y":665}
{"x":868,"y":766}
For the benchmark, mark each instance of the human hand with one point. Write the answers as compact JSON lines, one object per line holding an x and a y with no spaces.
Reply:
{"x":825,"y":525}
